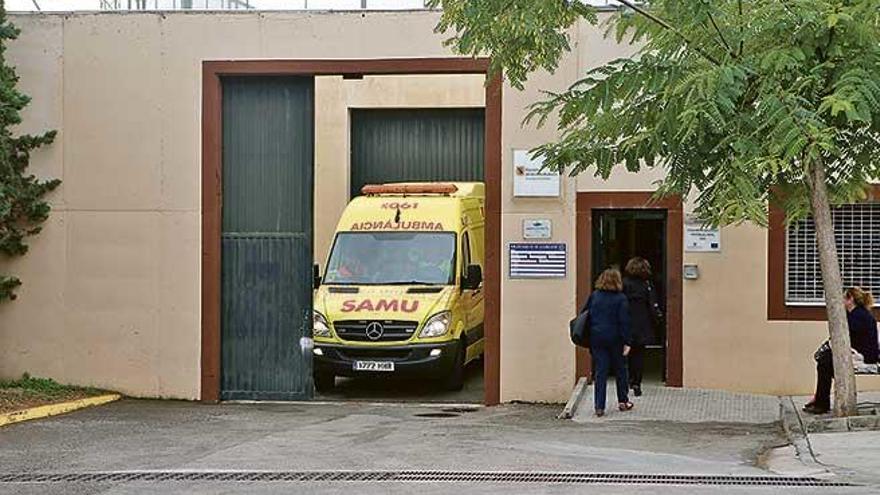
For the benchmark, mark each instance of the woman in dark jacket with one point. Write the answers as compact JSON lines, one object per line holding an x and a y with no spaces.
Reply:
{"x":644,"y":312}
{"x":609,"y":338}
{"x":862,"y":337}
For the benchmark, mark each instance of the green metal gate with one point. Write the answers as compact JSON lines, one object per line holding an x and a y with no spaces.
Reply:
{"x":430,"y":144}
{"x":267,"y":237}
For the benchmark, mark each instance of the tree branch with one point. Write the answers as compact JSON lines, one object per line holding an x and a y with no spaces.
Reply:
{"x":721,"y":36}
{"x":741,"y":36}
{"x":639,"y":10}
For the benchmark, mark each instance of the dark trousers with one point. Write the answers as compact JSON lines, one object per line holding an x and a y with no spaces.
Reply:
{"x":636,"y":361}
{"x":604,"y":358}
{"x":824,"y":376}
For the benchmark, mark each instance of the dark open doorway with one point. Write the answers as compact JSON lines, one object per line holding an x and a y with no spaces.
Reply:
{"x":618,"y":236}
{"x":590,"y":206}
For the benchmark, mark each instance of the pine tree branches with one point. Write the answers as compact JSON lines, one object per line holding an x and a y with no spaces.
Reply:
{"x":22,"y":207}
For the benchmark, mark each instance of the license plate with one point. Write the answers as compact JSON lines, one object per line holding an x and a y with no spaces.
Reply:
{"x":373,"y":366}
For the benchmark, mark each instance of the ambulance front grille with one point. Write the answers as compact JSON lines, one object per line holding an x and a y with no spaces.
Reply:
{"x":391,"y":330}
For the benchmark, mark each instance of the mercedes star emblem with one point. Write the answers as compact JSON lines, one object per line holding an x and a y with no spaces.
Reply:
{"x":375,"y":330}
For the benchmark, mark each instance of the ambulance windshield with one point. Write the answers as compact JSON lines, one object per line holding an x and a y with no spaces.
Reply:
{"x":392,"y":258}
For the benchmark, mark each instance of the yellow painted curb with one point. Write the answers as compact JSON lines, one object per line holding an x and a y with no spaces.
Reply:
{"x":55,"y":409}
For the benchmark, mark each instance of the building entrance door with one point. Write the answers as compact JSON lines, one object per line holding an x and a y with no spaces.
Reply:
{"x":620,"y":235}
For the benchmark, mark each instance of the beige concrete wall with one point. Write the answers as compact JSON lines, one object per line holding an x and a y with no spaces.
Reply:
{"x":335,"y":96}
{"x":728,"y":341}
{"x":112,"y":286}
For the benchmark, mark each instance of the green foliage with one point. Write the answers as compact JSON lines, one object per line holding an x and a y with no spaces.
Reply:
{"x":736,"y":100}
{"x":42,"y":386}
{"x":22,"y":208}
{"x":521,"y":35}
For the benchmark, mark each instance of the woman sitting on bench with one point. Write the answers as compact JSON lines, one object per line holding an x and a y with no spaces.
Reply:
{"x":863,"y":338}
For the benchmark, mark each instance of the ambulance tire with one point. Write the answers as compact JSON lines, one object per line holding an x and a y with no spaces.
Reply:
{"x":324,"y":381}
{"x":454,"y":381}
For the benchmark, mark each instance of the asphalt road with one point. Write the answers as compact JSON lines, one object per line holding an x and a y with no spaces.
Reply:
{"x":171,"y":436}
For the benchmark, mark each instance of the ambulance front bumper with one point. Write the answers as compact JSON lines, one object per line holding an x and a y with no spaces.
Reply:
{"x":418,"y":360}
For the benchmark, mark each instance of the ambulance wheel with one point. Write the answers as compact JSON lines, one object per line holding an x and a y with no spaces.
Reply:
{"x":324,"y":381}
{"x":454,"y":381}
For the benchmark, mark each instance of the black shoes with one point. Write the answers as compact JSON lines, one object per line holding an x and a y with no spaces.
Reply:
{"x":637,"y":390}
{"x":813,"y":408}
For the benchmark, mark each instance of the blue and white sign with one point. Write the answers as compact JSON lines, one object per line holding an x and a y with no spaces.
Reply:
{"x":537,"y":260}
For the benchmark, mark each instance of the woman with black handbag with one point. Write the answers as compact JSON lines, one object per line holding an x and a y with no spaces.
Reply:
{"x":645,"y":313}
{"x":609,"y":338}
{"x":863,"y":338}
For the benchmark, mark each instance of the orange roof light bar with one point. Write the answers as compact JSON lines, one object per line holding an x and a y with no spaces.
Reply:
{"x":405,"y":189}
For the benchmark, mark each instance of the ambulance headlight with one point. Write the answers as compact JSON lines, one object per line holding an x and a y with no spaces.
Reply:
{"x":320,"y":326}
{"x":436,"y":325}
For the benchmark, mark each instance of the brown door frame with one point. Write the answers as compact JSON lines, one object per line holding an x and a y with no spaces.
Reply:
{"x":589,"y":201}
{"x":212,"y":201}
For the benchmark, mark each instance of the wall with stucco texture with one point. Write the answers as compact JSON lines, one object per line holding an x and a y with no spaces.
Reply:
{"x":112,"y":286}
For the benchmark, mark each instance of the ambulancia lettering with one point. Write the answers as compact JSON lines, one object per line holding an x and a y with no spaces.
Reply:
{"x":390,"y":225}
{"x":390,"y":305}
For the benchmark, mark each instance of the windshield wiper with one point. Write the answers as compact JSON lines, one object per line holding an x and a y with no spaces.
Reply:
{"x":411,"y":282}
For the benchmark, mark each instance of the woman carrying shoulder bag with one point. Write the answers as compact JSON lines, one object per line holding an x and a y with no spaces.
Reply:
{"x":645,"y":315}
{"x":609,"y":338}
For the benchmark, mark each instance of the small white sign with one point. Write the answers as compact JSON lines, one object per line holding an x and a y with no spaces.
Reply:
{"x":529,"y":180}
{"x":537,"y":228}
{"x":700,"y":238}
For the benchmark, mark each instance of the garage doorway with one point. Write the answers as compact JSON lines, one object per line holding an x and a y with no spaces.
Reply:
{"x":214,"y":72}
{"x":414,"y":145}
{"x":611,"y":228}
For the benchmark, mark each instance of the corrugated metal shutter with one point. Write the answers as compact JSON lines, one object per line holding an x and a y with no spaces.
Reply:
{"x":267,"y":237}
{"x":416,"y":145}
{"x":857,"y":235}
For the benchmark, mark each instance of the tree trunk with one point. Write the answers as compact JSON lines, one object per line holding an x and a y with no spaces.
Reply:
{"x":844,"y":376}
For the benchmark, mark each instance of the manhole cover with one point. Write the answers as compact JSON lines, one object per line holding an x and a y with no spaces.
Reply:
{"x":437,"y":415}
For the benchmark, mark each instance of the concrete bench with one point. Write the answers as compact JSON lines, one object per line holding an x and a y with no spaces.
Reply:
{"x":867,"y":377}
{"x":867,"y":369}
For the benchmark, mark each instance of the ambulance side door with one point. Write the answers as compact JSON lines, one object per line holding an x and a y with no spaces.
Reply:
{"x":472,"y":299}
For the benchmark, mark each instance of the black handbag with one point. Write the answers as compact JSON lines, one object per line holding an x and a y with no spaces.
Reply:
{"x":579,"y":327}
{"x":654,"y":307}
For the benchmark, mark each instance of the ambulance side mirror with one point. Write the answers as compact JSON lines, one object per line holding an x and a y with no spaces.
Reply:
{"x":473,"y":278}
{"x":316,"y":276}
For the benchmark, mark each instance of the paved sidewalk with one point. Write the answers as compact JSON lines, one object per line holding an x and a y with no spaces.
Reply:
{"x":853,"y":455}
{"x":683,"y":405}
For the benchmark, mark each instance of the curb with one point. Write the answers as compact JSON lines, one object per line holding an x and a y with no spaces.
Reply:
{"x":799,"y":437}
{"x":55,"y":409}
{"x":571,"y":407}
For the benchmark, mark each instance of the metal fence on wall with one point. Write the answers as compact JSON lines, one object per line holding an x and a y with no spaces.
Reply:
{"x":260,"y":4}
{"x":174,"y":4}
{"x":168,"y":5}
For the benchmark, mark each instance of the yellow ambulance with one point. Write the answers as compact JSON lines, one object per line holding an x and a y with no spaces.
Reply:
{"x":402,"y":290}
